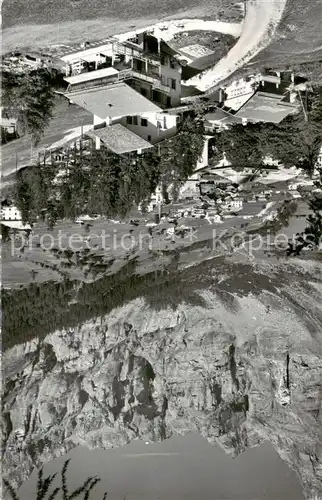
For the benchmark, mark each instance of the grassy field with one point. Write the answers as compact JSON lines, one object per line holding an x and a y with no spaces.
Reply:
{"x":298,"y":39}
{"x":165,"y":277}
{"x":112,"y":245}
{"x":17,"y":12}
{"x":42,"y":23}
{"x":297,"y":44}
{"x":74,"y":252}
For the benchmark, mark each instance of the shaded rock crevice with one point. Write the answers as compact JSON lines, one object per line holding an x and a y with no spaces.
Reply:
{"x":227,"y":372}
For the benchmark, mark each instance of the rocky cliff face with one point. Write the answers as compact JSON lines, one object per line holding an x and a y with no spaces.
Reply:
{"x":242,"y":366}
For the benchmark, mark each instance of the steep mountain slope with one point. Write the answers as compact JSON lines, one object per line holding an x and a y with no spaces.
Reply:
{"x":240,"y":365}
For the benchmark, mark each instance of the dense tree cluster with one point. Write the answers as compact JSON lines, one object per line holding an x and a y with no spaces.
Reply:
{"x":99,"y":183}
{"x":30,"y":97}
{"x":38,"y":309}
{"x":105,"y":183}
{"x":314,"y":227}
{"x":295,"y":141}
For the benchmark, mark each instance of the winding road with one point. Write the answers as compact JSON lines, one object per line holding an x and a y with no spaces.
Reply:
{"x":261,"y":20}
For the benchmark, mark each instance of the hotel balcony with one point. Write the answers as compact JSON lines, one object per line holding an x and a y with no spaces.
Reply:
{"x":151,"y":78}
{"x":132,"y":50}
{"x":108,"y":76}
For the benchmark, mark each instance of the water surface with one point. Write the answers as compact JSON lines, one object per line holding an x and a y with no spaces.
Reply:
{"x":180,"y":468}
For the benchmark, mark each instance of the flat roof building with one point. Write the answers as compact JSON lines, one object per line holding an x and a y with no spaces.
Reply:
{"x":112,"y":101}
{"x":265,"y":107}
{"x":127,"y":86}
{"x":145,"y":62}
{"x":221,"y":119}
{"x":100,"y":76}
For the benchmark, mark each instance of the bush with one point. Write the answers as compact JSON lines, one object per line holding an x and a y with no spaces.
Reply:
{"x":44,"y":485}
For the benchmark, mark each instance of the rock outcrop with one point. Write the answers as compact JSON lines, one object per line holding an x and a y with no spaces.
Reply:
{"x":241,"y":365}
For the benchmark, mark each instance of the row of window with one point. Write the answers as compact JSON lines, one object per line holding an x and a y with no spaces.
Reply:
{"x":157,"y":96}
{"x":133,"y":120}
{"x":169,"y":82}
{"x":240,"y":91}
{"x":167,"y":61}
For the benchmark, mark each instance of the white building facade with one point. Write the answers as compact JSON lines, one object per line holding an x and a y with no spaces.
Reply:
{"x":241,"y":90}
{"x":319,"y":160}
{"x":147,"y":63}
{"x":10,"y":213}
{"x":153,"y":127}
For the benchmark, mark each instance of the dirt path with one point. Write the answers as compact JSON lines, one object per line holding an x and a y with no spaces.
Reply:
{"x":261,"y":21}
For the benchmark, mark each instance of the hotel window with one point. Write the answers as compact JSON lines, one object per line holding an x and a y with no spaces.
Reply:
{"x":129,"y":120}
{"x":149,"y":138}
{"x":135,"y":120}
{"x":144,"y":122}
{"x":173,"y":83}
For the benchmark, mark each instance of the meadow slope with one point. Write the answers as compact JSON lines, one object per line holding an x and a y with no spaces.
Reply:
{"x":38,"y":24}
{"x":261,"y":21}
